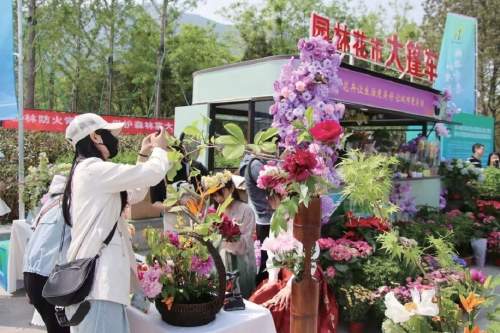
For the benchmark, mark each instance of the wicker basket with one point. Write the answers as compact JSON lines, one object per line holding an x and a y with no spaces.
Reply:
{"x":189,"y":315}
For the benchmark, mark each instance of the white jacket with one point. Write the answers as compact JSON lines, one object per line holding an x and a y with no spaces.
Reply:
{"x":95,"y":207}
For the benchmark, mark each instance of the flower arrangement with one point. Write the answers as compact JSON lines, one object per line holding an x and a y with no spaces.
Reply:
{"x":287,"y":253}
{"x":273,"y":179}
{"x":366,"y":223}
{"x":178,"y":269}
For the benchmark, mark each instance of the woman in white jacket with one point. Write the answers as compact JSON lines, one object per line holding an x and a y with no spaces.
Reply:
{"x":95,"y":196}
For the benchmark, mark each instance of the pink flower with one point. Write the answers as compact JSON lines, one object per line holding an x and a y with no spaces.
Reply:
{"x":442,"y":130}
{"x":149,"y":281}
{"x":300,"y":86}
{"x":326,"y":243}
{"x":173,"y":237}
{"x":330,"y":272}
{"x":477,"y":275}
{"x":201,"y":267}
{"x":285,"y":92}
{"x":284,"y":242}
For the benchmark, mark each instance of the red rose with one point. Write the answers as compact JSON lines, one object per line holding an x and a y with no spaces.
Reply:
{"x":326,"y":131}
{"x":300,"y":164}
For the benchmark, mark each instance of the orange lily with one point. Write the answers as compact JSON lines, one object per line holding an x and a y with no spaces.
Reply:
{"x":168,"y":301}
{"x":471,"y":302}
{"x":476,"y":329}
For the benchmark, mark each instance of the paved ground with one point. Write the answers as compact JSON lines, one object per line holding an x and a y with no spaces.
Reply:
{"x":16,"y":313}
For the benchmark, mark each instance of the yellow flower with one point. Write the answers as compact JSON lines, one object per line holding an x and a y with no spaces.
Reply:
{"x":471,"y":302}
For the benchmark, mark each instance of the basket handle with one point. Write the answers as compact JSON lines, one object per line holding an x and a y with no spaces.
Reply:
{"x":219,"y":265}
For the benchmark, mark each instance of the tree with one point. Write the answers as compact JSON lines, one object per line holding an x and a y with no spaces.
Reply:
{"x":193,"y":49}
{"x":488,"y":45}
{"x":29,"y":101}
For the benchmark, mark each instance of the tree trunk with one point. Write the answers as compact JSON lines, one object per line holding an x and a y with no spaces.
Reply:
{"x":76,"y":81}
{"x":160,"y":59}
{"x":52,"y":96}
{"x":305,"y":293}
{"x":29,"y":101}
{"x":110,"y":58}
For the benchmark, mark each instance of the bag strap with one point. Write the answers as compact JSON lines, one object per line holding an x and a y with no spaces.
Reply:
{"x":111,"y":234}
{"x":44,"y":211}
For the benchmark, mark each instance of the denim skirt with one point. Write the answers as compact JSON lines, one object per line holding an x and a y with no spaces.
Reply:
{"x":103,"y":316}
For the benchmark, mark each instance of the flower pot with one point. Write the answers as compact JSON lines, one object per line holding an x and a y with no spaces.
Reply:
{"x":356,"y":327}
{"x":479,"y":247}
{"x":305,"y":293}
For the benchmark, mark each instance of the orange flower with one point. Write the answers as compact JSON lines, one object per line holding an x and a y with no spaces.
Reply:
{"x":169,"y":301}
{"x":476,"y":329}
{"x":193,"y":207}
{"x":471,"y":302}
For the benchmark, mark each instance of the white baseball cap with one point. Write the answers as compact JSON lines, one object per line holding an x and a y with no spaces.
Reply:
{"x":87,"y":123}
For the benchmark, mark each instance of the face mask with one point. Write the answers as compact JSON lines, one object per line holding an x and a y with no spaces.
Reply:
{"x":111,"y":142}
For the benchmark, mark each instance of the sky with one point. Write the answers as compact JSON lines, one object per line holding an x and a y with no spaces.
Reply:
{"x":210,"y":8}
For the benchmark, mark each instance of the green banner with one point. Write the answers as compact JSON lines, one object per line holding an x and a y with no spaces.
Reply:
{"x":473,"y":129}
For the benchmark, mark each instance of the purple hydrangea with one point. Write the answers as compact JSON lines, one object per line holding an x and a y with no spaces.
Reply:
{"x":200,"y":266}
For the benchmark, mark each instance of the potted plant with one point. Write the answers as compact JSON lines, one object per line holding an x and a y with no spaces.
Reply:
{"x":460,"y":179}
{"x":355,"y":302}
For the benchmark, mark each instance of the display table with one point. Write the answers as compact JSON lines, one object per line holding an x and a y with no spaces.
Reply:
{"x":20,"y":234}
{"x":254,"y":319}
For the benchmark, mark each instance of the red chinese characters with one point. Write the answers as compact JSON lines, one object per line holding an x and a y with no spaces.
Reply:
{"x":359,"y":44}
{"x":320,"y":26}
{"x":342,"y":36}
{"x":430,"y":65}
{"x":413,"y":55}
{"x":376,"y":50}
{"x":394,"y":53}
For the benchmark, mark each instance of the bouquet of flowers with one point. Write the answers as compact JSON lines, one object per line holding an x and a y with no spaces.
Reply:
{"x":494,"y":242}
{"x":287,"y":252}
{"x":227,"y":228}
{"x":178,"y":269}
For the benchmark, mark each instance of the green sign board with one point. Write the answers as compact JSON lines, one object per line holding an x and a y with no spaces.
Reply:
{"x":473,"y":129}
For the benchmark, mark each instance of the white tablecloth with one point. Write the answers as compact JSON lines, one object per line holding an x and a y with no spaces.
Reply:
{"x":20,"y":234}
{"x":251,"y":320}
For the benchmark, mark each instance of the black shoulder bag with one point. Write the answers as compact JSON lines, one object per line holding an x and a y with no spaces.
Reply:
{"x":70,"y":284}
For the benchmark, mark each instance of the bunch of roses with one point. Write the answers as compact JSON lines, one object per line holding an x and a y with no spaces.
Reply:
{"x":273,"y":179}
{"x":310,"y":82}
{"x":345,"y":249}
{"x":366,"y":222}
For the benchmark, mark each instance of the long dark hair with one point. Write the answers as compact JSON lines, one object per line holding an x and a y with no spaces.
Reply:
{"x":85,"y":148}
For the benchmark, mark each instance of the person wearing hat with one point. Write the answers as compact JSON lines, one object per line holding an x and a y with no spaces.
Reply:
{"x":237,"y":255}
{"x":44,"y":250}
{"x":95,"y":196}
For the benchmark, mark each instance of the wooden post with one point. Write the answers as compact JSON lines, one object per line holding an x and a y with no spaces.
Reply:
{"x":305,"y":293}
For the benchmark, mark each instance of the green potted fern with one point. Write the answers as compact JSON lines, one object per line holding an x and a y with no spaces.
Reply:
{"x":368,"y":183}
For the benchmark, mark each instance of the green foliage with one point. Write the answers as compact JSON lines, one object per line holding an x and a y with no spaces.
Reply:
{"x":378,"y":271}
{"x":490,"y":187}
{"x":368,"y":182}
{"x":355,"y":302}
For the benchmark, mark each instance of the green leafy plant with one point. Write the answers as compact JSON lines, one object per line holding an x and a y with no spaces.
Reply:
{"x":490,"y":187}
{"x":355,"y":302}
{"x":368,"y":182}
{"x":378,"y":271}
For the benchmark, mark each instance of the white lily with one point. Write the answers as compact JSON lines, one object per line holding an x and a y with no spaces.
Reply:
{"x":421,"y":304}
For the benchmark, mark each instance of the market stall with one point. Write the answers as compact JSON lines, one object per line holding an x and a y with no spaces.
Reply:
{"x":242,"y":93}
